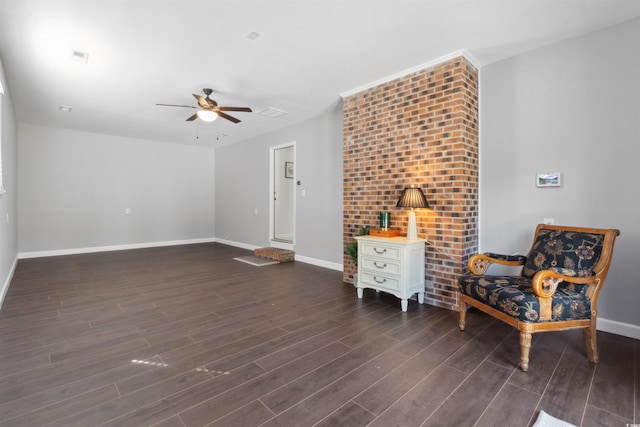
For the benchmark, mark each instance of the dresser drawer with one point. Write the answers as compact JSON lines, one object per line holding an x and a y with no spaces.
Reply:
{"x":379,"y":281}
{"x":380,"y":250}
{"x":380,"y":266}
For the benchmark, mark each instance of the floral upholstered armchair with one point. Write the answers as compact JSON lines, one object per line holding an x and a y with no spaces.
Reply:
{"x":557,"y":288}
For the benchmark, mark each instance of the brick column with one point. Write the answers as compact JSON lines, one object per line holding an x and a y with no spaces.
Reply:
{"x":420,"y":129}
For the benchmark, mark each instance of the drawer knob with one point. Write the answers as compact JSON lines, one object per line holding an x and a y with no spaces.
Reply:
{"x":379,"y":266}
{"x":380,"y":252}
{"x":379,"y":281}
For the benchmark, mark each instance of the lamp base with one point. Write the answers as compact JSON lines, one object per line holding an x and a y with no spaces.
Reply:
{"x":412,"y":228}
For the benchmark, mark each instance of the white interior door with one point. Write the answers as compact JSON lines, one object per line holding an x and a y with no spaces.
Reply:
{"x":283,"y":196}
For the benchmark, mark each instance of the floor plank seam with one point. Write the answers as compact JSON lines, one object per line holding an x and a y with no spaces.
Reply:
{"x":497,"y":394}
{"x":468,"y":375}
{"x":586,"y":402}
{"x":555,"y":368}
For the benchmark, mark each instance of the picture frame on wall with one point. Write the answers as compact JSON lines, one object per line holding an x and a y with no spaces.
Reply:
{"x":288,"y":170}
{"x":548,"y":179}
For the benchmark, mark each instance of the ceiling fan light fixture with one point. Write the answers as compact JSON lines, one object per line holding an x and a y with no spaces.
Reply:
{"x":207,"y":115}
{"x":209,"y":110}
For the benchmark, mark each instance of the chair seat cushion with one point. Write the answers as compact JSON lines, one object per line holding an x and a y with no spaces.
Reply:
{"x":514,"y":296}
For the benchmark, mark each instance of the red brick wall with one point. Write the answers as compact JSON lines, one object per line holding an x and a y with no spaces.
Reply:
{"x":420,"y":129}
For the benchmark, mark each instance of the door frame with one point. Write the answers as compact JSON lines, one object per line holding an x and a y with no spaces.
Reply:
{"x":275,"y":243}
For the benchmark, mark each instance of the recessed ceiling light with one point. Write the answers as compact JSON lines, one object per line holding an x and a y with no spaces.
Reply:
{"x":274,"y":113}
{"x":65,"y":108}
{"x":253,"y":35}
{"x":78,"y":56}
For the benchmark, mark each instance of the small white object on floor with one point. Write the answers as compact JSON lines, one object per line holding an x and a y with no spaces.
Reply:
{"x":256,"y":261}
{"x":546,"y":420}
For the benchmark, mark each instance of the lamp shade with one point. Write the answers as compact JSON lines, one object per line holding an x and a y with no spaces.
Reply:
{"x":412,"y":198}
{"x":207,"y":115}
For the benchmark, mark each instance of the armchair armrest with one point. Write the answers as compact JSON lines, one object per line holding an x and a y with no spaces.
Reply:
{"x":479,"y":263}
{"x":545,"y":282}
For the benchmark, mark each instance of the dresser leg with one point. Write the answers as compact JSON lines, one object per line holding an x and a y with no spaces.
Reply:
{"x":360,"y":292}
{"x":421,"y":297}
{"x":405,"y":304}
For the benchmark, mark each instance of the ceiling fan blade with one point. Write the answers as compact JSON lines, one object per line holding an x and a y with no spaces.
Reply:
{"x":174,"y":105}
{"x":228,"y":117}
{"x":202,"y":102}
{"x":244,"y":109}
{"x":192,"y":118}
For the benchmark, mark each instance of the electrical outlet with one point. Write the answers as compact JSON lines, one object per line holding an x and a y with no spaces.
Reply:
{"x":127,"y":211}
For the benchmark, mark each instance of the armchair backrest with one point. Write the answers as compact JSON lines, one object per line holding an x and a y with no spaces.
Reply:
{"x":572,"y":251}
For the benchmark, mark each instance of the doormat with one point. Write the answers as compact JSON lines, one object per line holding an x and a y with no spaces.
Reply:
{"x":256,"y":261}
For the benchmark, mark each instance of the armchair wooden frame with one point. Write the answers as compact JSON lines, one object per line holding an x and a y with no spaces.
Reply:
{"x":544,"y":284}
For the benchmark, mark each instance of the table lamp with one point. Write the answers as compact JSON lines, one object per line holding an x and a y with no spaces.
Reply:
{"x":412,"y":198}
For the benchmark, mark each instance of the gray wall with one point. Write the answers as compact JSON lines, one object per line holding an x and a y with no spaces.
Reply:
{"x":572,"y":107}
{"x":74,"y":188}
{"x":8,"y":201}
{"x":242,"y":185}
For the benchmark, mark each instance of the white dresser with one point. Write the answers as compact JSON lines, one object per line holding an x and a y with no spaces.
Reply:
{"x":391,"y":264}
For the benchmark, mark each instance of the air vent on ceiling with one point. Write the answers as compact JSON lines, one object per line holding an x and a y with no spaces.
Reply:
{"x":78,"y":56}
{"x":274,"y":113}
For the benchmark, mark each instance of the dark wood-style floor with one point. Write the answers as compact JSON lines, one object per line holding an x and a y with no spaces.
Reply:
{"x":186,"y":336}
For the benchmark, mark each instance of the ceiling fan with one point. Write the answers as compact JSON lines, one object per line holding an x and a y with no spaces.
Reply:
{"x":209,"y":109}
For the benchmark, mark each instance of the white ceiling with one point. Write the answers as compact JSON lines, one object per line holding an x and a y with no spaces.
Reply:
{"x":308,"y":53}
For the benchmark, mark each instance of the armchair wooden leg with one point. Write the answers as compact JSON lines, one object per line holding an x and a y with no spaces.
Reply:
{"x":463,"y":315}
{"x":590,"y":342}
{"x":525,"y":346}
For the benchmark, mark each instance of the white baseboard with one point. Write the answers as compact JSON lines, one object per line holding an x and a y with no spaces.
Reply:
{"x":618,"y":328}
{"x":306,"y":260}
{"x":76,"y":251}
{"x":319,"y":263}
{"x":236,"y":244}
{"x":7,"y":282}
